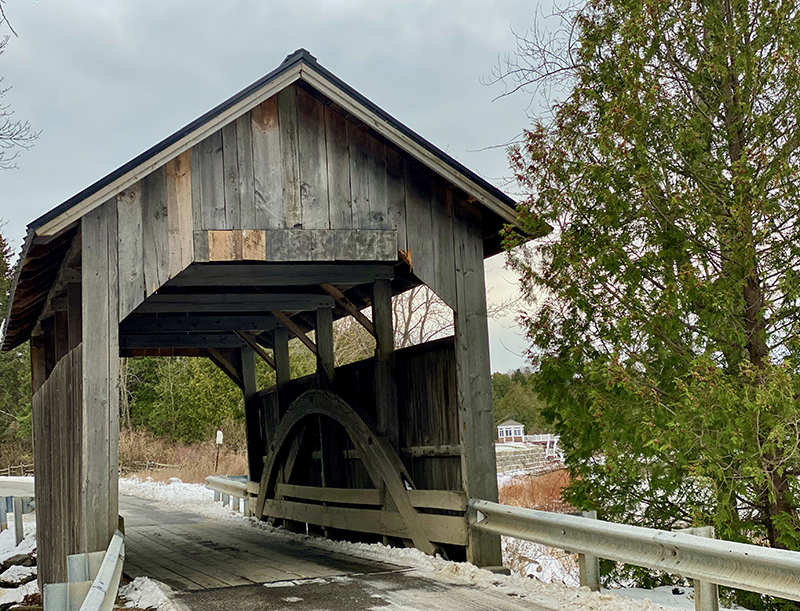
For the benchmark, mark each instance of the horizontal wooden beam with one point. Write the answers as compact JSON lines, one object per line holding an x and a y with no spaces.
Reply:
{"x":177,"y":340}
{"x":430,"y":451}
{"x":442,"y":529}
{"x":231,"y":302}
{"x":172,"y":323}
{"x":349,"y":307}
{"x":451,"y":500}
{"x":297,"y":245}
{"x":269,"y":274}
{"x":140,"y":352}
{"x":295,"y":330}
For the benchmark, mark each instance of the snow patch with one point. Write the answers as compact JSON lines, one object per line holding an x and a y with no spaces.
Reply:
{"x":146,"y":593}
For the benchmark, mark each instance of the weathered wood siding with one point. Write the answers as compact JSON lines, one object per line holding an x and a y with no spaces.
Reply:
{"x":100,"y":416}
{"x":427,"y":410}
{"x":57,"y":426}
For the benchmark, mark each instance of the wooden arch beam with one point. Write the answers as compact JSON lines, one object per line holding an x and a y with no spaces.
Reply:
{"x":378,"y":456}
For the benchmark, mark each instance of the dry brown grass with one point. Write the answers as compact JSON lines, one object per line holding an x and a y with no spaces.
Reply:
{"x":15,"y":451}
{"x":196,"y":460}
{"x":542,"y":492}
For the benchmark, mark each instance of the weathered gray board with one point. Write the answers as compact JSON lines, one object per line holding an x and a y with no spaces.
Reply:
{"x":57,"y":420}
{"x":100,"y":419}
{"x":292,"y":163}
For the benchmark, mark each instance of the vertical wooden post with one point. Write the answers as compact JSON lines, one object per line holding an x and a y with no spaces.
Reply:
{"x":325,"y":356}
{"x":280,"y":343}
{"x":476,"y":423}
{"x":99,"y":438}
{"x":252,"y":418}
{"x":385,"y":380}
{"x":61,"y":334}
{"x":49,"y":337}
{"x":38,"y":373}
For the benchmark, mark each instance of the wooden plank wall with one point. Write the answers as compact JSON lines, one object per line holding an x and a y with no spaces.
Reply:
{"x":427,"y":408}
{"x":57,"y":427}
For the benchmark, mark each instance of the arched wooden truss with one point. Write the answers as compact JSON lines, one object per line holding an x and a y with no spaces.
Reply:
{"x":381,"y":461}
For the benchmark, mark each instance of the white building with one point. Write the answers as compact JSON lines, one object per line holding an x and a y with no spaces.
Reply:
{"x":510,"y":431}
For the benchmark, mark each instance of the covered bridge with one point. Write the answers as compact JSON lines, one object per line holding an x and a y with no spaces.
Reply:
{"x":292,"y":204}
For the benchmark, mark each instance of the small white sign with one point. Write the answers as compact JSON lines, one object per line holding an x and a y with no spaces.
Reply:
{"x":219,"y":438}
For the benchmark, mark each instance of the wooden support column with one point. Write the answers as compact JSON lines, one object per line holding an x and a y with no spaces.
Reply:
{"x":280,"y":341}
{"x":476,"y":424}
{"x":38,"y":372}
{"x":49,"y":337}
{"x":61,"y":334}
{"x":99,"y":436}
{"x":252,"y":419}
{"x":325,"y":356}
{"x":385,"y":379}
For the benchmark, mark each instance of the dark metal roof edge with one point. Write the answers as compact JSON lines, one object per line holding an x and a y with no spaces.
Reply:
{"x":301,"y":55}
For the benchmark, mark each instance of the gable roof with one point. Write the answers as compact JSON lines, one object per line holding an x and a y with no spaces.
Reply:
{"x":300,"y":65}
{"x":510,"y":423}
{"x":49,"y":235}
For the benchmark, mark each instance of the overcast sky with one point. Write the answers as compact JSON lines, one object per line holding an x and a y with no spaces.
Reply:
{"x":105,"y":80}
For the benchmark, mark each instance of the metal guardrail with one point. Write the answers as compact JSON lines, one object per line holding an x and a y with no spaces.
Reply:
{"x":16,"y":496}
{"x":230,"y":491}
{"x":737,"y":565}
{"x":92,"y":580}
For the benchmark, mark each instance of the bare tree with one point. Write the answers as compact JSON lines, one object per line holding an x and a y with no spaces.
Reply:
{"x":14,"y":134}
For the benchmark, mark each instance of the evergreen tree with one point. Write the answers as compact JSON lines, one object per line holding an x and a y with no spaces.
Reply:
{"x":666,"y":332}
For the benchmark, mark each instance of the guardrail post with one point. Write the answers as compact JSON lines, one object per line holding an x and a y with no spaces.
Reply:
{"x":589,"y":566}
{"x":19,"y":535}
{"x":235,"y":500}
{"x":706,"y":595}
{"x":3,"y":515}
{"x":226,"y":499}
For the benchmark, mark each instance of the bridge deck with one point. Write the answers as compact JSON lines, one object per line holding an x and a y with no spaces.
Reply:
{"x":218,"y":565}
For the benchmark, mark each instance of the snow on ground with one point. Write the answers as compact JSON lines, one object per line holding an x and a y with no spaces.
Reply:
{"x":8,"y":549}
{"x":146,"y":593}
{"x":198,"y":499}
{"x":16,"y":573}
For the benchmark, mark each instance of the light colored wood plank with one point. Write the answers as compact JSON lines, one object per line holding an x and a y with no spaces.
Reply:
{"x":267,"y":166}
{"x":254,"y":245}
{"x":323,"y":245}
{"x":179,"y":213}
{"x":338,"y":154}
{"x":312,"y":162}
{"x":287,"y":121}
{"x":244,"y":153}
{"x":225,"y":245}
{"x":131,"y":249}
